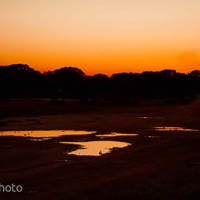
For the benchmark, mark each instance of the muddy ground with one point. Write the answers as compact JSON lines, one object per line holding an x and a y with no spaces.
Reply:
{"x":167,"y":167}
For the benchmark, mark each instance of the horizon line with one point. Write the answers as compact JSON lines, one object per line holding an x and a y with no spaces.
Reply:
{"x":134,"y":72}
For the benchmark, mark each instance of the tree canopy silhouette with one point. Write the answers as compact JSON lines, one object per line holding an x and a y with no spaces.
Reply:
{"x":22,"y":81}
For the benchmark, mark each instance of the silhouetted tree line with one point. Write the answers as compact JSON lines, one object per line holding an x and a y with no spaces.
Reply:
{"x":21,"y":81}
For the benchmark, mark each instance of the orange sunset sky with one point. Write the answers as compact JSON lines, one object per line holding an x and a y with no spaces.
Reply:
{"x":101,"y":36}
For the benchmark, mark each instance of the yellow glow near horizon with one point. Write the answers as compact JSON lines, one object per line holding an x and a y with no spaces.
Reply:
{"x":106,"y":36}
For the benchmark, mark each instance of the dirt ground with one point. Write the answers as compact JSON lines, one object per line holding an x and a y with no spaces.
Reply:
{"x":167,"y":167}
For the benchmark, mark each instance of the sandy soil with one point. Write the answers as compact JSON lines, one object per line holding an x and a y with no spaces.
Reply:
{"x":162,"y":168}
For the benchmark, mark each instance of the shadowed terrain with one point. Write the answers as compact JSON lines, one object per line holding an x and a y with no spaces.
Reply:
{"x":165,"y":167}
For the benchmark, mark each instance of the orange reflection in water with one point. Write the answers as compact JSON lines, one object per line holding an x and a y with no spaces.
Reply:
{"x":167,"y":128}
{"x":45,"y":133}
{"x":114,"y":134}
{"x":95,"y":148}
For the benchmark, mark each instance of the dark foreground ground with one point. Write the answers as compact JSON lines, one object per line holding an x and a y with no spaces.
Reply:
{"x":167,"y":167}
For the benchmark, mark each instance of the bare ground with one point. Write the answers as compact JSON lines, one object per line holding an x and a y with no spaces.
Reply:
{"x":160,"y":168}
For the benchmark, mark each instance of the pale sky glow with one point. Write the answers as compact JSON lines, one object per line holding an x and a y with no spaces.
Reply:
{"x":105,"y":36}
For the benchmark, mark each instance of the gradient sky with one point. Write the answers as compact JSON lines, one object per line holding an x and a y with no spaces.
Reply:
{"x":106,"y":36}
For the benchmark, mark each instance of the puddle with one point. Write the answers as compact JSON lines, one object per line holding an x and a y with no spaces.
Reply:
{"x":46,"y":133}
{"x":114,"y":134}
{"x":168,"y":128}
{"x":96,"y":148}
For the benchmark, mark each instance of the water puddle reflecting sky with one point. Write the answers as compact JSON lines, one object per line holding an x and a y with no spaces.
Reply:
{"x":96,"y":148}
{"x":114,"y":134}
{"x":45,"y":133}
{"x":168,"y":128}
